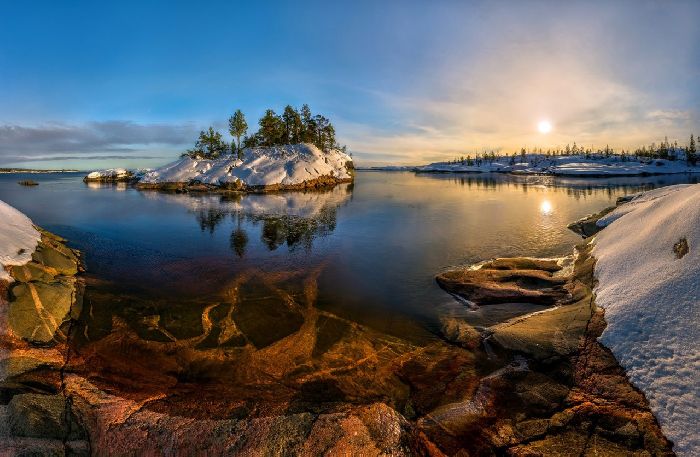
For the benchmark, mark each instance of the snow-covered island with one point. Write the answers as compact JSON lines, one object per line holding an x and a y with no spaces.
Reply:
{"x":564,"y":165}
{"x":287,"y":167}
{"x":111,"y":175}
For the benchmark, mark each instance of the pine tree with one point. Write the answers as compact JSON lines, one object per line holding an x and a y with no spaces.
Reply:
{"x":308,"y":125}
{"x":209,"y":145}
{"x":271,"y":129}
{"x":292,"y":125}
{"x":237,"y":127}
{"x":690,"y":153}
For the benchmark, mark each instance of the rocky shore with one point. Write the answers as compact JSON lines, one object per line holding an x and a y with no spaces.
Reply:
{"x":568,"y":395}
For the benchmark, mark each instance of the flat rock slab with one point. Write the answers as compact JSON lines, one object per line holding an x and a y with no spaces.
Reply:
{"x":551,"y":332}
{"x":515,"y":280}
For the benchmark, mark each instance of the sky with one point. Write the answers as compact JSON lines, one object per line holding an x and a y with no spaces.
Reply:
{"x":91,"y":85}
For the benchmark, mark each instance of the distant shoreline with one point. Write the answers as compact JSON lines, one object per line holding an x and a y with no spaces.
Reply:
{"x":9,"y":171}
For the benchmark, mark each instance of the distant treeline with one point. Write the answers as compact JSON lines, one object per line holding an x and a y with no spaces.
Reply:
{"x":664,"y":150}
{"x":291,"y":127}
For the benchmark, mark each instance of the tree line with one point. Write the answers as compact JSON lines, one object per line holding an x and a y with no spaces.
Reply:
{"x":664,"y":150}
{"x":291,"y":127}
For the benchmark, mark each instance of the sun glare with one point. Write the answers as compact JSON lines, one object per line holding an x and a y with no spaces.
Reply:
{"x":545,"y":207}
{"x":544,"y":127}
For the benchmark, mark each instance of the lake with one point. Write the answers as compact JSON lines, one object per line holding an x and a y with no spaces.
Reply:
{"x":294,"y":298}
{"x":376,"y":244}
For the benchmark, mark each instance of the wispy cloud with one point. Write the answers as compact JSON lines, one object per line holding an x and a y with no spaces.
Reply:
{"x":91,"y":141}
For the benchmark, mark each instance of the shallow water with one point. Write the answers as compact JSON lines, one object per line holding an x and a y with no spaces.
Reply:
{"x":374,"y":246}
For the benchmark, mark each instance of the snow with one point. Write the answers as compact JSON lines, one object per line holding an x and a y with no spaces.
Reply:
{"x":652,"y":303}
{"x":286,"y":165}
{"x":18,"y":239}
{"x":112,"y":173}
{"x":574,"y":165}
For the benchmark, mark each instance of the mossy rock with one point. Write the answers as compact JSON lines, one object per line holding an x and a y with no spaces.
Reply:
{"x":62,"y":259}
{"x":39,"y":309}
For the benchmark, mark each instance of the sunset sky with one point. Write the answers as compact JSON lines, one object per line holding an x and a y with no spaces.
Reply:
{"x":87,"y":85}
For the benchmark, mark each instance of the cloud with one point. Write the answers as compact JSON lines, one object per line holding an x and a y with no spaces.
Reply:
{"x":91,"y":141}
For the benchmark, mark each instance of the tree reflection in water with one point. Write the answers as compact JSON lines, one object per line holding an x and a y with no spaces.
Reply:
{"x":294,"y":219}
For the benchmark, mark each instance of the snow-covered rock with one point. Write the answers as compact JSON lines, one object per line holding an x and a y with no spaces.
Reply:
{"x":18,"y":239}
{"x":574,"y":165}
{"x":110,"y":175}
{"x":652,"y":303}
{"x":259,"y":167}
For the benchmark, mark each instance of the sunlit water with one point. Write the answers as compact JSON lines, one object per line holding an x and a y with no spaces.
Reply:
{"x":376,"y":244}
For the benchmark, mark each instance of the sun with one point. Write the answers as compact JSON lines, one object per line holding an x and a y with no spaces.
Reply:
{"x":544,"y":127}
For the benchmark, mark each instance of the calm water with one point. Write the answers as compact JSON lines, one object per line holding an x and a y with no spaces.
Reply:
{"x":373,"y":247}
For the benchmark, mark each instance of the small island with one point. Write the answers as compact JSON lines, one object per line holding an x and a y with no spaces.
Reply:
{"x":293,"y":151}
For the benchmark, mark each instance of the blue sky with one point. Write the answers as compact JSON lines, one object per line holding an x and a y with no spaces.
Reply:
{"x":91,"y":84}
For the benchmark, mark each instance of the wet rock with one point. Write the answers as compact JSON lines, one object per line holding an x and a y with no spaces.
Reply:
{"x":501,"y":281}
{"x":545,"y":334}
{"x":588,"y":226}
{"x":461,"y":333}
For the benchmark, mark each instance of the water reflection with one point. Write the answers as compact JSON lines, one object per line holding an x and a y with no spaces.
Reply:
{"x":293,"y":219}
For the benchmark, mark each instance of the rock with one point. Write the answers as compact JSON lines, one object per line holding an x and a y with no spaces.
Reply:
{"x":487,"y":285}
{"x":588,"y":226}
{"x":461,"y":333}
{"x":38,"y":416}
{"x":545,"y":334}
{"x":62,"y":260}
{"x":39,"y":310}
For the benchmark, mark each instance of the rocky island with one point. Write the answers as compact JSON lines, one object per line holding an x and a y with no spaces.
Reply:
{"x":294,"y":151}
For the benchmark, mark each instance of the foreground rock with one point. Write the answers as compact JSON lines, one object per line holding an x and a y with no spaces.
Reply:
{"x":566,"y":394}
{"x":36,"y":311}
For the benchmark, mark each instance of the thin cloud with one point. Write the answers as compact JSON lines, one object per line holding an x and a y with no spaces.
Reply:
{"x":91,"y":137}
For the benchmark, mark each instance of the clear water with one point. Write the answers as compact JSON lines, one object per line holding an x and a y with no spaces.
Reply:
{"x":374,"y":246}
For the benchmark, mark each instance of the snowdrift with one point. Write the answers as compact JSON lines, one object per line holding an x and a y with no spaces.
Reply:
{"x":18,"y":239}
{"x":649,"y":286}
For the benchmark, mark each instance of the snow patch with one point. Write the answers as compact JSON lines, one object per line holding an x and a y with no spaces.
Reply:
{"x":652,"y":303}
{"x":18,"y":239}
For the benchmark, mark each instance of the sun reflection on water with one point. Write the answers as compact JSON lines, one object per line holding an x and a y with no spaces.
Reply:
{"x":546,"y":207}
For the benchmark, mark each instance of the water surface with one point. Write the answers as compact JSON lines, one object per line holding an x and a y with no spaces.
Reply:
{"x":375,"y":245}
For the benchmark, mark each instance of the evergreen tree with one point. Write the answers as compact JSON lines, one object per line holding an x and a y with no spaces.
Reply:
{"x":237,"y":127}
{"x":271,"y":131}
{"x":691,"y":152}
{"x":308,"y":125}
{"x":209,"y":145}
{"x":292,"y":125}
